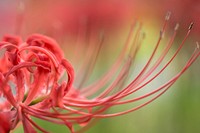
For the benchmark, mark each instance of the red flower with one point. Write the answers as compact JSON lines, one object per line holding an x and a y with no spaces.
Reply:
{"x":72,"y":14}
{"x":29,"y":79}
{"x":36,"y":81}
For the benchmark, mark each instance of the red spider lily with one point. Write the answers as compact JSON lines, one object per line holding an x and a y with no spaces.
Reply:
{"x":36,"y":81}
{"x":30,"y":73}
{"x":70,"y":14}
{"x":68,"y":17}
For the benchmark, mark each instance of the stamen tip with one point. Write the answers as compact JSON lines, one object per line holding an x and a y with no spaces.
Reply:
{"x":176,"y":26}
{"x":167,"y":17}
{"x":191,"y":25}
{"x":197,"y":45}
{"x":161,"y":34}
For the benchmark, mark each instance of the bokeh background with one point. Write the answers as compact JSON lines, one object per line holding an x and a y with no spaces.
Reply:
{"x":178,"y":110}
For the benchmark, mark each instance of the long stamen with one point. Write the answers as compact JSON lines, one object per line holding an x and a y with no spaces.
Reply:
{"x":180,"y":47}
{"x":90,"y":61}
{"x":103,"y":80}
{"x":125,"y":68}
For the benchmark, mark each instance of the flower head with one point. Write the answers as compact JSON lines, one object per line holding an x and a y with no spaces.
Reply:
{"x":30,"y":78}
{"x":36,"y":81}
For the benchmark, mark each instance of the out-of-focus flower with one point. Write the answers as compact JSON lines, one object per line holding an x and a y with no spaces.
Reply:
{"x":69,"y":17}
{"x":36,"y":81}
